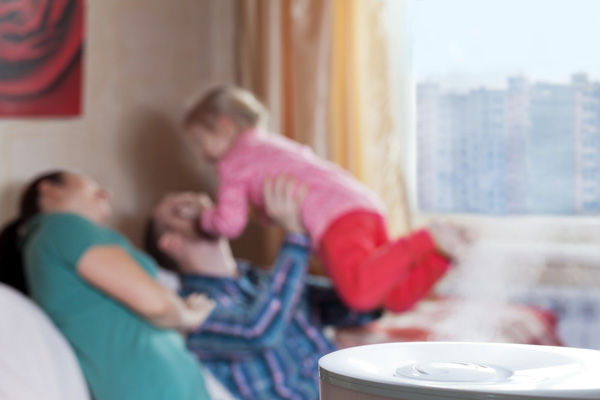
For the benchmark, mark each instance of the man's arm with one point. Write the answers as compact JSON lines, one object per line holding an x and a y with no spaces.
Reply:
{"x":234,"y":330}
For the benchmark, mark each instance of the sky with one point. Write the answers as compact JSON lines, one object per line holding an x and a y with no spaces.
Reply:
{"x":471,"y":43}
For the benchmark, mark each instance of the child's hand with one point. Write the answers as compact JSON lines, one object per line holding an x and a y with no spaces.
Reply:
{"x":453,"y":240}
{"x":169,"y":212}
{"x":191,"y":205}
{"x":283,"y":199}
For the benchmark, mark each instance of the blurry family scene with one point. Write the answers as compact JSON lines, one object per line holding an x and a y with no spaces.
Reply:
{"x":210,"y":199}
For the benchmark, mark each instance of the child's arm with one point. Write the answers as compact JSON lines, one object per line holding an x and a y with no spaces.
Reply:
{"x":229,"y":216}
{"x":234,"y":329}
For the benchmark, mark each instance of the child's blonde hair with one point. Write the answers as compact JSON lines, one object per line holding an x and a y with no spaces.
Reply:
{"x":240,"y":105}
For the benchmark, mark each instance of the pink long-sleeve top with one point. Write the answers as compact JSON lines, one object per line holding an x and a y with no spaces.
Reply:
{"x":255,"y":155}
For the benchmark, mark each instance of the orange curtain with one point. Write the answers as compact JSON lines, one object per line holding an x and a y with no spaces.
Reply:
{"x":344,"y":106}
{"x":369,"y":114}
{"x":325,"y":70}
{"x":284,"y":48}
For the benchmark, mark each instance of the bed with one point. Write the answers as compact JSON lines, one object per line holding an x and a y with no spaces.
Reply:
{"x":447,"y":319}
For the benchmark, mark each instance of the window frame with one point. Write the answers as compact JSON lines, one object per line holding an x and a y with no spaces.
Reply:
{"x":581,"y":231}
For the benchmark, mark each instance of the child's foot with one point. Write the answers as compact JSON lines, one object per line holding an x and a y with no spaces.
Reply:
{"x":452,"y":239}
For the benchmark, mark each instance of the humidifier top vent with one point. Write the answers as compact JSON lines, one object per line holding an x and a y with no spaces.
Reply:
{"x":470,"y":371}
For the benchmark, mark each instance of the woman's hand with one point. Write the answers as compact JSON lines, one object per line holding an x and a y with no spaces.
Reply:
{"x":283,"y":198}
{"x":198,"y":308}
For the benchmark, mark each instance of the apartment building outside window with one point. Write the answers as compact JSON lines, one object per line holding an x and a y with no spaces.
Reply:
{"x":508,"y":106}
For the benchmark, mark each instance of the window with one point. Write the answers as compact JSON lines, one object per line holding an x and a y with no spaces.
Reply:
{"x":507,"y":106}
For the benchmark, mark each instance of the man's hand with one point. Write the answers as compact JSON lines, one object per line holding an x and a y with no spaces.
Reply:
{"x":283,"y":198}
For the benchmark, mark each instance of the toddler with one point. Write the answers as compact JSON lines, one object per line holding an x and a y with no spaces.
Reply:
{"x":344,"y":219}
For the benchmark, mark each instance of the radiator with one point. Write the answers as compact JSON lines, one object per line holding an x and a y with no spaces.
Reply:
{"x":577,"y":310}
{"x":506,"y":272}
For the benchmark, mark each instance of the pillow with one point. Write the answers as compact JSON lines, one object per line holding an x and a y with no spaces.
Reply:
{"x":36,"y":362}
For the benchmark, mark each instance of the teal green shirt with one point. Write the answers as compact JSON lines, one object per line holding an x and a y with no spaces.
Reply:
{"x":122,"y":356}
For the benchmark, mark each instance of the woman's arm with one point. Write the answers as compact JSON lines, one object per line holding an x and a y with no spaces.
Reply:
{"x":113,"y":271}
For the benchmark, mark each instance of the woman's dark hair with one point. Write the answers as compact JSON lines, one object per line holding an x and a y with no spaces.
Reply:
{"x":11,"y":261}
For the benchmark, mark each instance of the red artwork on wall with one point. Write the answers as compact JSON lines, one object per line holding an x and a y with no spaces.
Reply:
{"x":41,"y":43}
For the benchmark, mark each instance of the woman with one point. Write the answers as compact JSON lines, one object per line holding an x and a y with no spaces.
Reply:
{"x":100,"y":293}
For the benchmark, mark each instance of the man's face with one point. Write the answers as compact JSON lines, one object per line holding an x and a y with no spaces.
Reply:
{"x":173,"y":214}
{"x":177,"y":237}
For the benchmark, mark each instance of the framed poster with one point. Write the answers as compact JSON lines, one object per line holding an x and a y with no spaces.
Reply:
{"x":41,"y":44}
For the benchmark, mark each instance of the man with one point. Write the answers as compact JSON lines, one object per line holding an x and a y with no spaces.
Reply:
{"x":259,"y":341}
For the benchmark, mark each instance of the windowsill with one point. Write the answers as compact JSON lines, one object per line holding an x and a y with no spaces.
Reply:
{"x":528,"y":230}
{"x":568,"y":248}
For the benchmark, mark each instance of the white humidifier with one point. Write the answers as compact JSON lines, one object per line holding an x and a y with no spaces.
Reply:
{"x":460,"y":371}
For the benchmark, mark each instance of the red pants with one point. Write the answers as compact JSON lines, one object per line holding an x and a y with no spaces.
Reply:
{"x":370,"y":271}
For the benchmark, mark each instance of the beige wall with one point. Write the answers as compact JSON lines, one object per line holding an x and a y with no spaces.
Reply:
{"x":143,"y":58}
